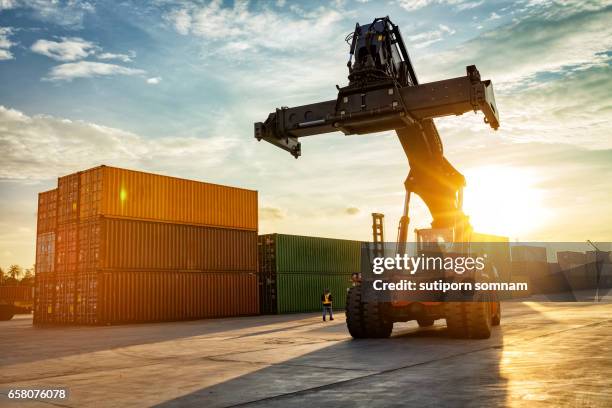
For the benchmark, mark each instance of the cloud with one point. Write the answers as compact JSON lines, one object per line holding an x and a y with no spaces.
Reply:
{"x":427,"y":38}
{"x":266,"y":46}
{"x":181,"y":20}
{"x":76,"y":49}
{"x":412,"y":5}
{"x":574,"y":109}
{"x":446,"y":29}
{"x":154,"y":80}
{"x":351,"y":210}
{"x":43,"y":147}
{"x":6,"y":43}
{"x":469,"y":5}
{"x":514,"y":54}
{"x":494,"y":16}
{"x":271,"y":213}
{"x":120,"y":57}
{"x":67,"y":49}
{"x":7,"y":4}
{"x":69,"y":14}
{"x":560,"y":9}
{"x":87,"y":69}
{"x":263,"y":30}
{"x":5,"y":32}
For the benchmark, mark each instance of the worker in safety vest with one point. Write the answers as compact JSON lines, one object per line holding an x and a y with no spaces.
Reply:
{"x":326,"y":301}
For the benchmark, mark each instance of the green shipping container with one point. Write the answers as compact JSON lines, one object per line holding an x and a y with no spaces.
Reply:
{"x":295,"y":253}
{"x":294,"y":271}
{"x":301,"y":292}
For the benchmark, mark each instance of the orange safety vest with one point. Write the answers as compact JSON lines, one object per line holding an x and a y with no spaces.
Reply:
{"x":327,"y":301}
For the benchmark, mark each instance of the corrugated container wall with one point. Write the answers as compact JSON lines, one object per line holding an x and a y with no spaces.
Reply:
{"x":134,"y":244}
{"x":44,"y":298}
{"x":12,"y":294}
{"x":294,"y":271}
{"x":576,"y":271}
{"x":47,"y":212}
{"x":301,"y":292}
{"x":529,"y":261}
{"x":296,"y":253}
{"x":135,"y":296}
{"x":46,"y":227}
{"x":497,"y":249}
{"x":599,"y":263}
{"x":527,"y":253}
{"x":533,"y":269}
{"x":45,"y":253}
{"x":127,"y":246}
{"x":132,"y":194}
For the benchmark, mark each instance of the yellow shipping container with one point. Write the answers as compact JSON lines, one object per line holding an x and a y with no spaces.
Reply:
{"x":116,"y":192}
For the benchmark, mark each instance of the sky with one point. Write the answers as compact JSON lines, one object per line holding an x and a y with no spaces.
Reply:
{"x":174,"y":87}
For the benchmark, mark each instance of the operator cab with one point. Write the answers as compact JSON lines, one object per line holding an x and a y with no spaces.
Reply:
{"x":380,"y":54}
{"x":440,"y":240}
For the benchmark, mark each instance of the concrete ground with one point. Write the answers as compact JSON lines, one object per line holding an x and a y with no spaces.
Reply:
{"x":544,"y":354}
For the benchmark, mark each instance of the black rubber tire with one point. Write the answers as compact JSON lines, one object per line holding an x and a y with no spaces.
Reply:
{"x":469,"y":320}
{"x":376,"y":325}
{"x":425,"y":322}
{"x":496,"y":319}
{"x":354,"y":313}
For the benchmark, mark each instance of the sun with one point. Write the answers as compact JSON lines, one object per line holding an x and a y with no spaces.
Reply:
{"x":504,"y":201}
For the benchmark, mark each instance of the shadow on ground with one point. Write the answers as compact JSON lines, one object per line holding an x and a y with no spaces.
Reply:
{"x":63,"y":341}
{"x":399,"y":371}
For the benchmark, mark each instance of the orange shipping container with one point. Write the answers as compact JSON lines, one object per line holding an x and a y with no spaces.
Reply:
{"x":119,"y":296}
{"x":124,"y":193}
{"x":147,"y":296}
{"x":68,"y":198}
{"x":12,"y":294}
{"x":119,"y":243}
{"x":66,"y":250}
{"x":44,"y":298}
{"x":188,"y":237}
{"x":47,"y":211}
{"x":45,"y":252}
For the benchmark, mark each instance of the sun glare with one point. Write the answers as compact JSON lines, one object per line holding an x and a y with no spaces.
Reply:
{"x":503,"y":201}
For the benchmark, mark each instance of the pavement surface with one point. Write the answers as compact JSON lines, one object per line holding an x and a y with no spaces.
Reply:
{"x":544,"y":354}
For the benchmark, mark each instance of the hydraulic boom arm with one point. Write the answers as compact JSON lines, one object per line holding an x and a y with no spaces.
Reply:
{"x":379,"y":108}
{"x":384,"y":94}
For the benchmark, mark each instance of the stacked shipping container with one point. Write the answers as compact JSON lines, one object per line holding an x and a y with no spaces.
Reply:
{"x":294,"y":271}
{"x":45,"y":254}
{"x":573,"y":270}
{"x":576,"y":271}
{"x":529,"y":264}
{"x":127,"y":246}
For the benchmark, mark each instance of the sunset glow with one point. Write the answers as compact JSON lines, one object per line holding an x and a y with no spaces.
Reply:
{"x":504,"y":201}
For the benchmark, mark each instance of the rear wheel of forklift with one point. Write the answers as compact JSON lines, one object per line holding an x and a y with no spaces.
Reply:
{"x":469,"y":320}
{"x":365,"y":319}
{"x":375,"y":323}
{"x":354,"y":313}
